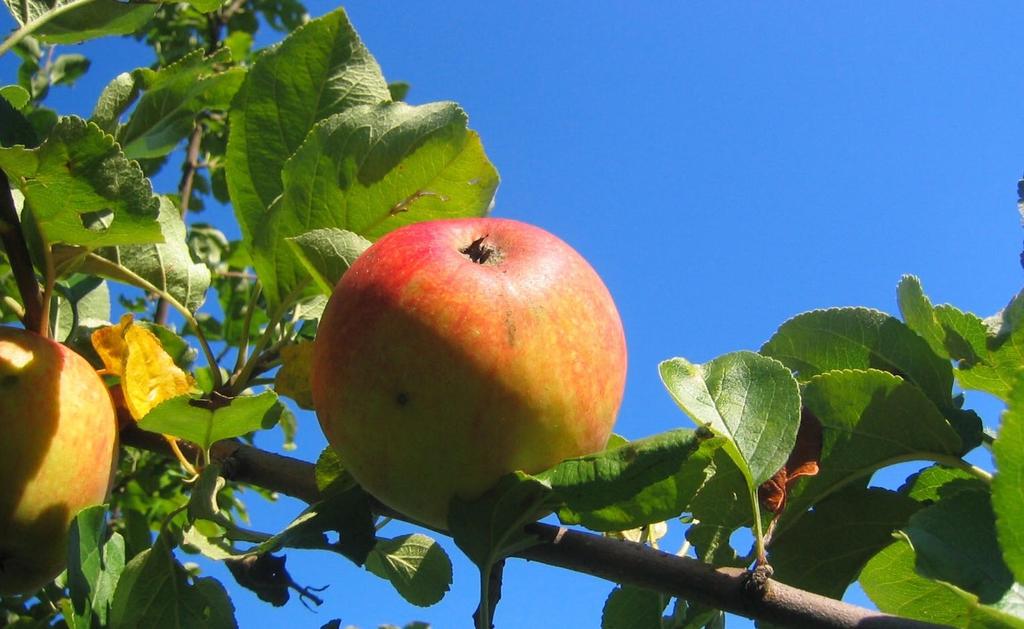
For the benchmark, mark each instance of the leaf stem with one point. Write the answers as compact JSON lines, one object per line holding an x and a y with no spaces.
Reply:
{"x":30,"y":27}
{"x":243,"y":345}
{"x":759,"y":547}
{"x":958,"y":463}
{"x":12,"y":304}
{"x":483,"y":612}
{"x":117,"y":271}
{"x":490,"y":593}
{"x":241,"y":378}
{"x":50,"y":280}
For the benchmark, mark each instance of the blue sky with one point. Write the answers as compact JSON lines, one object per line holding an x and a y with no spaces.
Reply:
{"x":724,"y":166}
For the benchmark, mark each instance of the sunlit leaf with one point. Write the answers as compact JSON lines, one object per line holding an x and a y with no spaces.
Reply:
{"x":82,"y":189}
{"x":86,"y":21}
{"x":167,"y":265}
{"x":751,"y":400}
{"x":171,"y":99}
{"x":327,"y":253}
{"x":860,"y":338}
{"x":369,"y":170}
{"x":1008,"y":485}
{"x":319,"y":69}
{"x":204,"y":422}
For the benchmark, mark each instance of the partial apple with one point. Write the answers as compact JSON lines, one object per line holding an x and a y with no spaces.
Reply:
{"x":453,"y":352}
{"x":57,"y":454}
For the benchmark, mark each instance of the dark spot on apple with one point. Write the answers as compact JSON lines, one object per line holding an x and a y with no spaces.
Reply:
{"x":510,"y":328}
{"x":482,"y":253}
{"x":402,"y":398}
{"x":8,"y":381}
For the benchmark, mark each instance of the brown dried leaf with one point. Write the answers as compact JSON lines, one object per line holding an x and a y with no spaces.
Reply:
{"x":802,"y":461}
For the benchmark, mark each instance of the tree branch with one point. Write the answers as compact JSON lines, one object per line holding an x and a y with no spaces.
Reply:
{"x":21,"y":262}
{"x":616,"y":560}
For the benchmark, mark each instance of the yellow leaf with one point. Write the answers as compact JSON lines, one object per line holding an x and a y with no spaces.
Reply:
{"x":110,"y":345}
{"x":148,"y":373}
{"x":293,"y":377}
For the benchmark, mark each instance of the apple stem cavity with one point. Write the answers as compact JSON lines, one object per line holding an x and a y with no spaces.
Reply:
{"x":481,"y":253}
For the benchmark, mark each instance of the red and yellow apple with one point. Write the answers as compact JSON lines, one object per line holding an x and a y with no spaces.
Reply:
{"x":57,"y":454}
{"x":453,"y":352}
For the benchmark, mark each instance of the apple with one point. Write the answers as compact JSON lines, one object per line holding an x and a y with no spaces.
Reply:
{"x":453,"y":352}
{"x":57,"y":454}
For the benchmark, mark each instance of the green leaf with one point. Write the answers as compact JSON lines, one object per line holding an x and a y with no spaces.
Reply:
{"x":491,"y":527}
{"x":204,"y":423}
{"x":870,"y":419}
{"x":751,"y":400}
{"x":115,"y":98}
{"x":155,"y":591}
{"x":346,"y":512}
{"x":67,"y":69}
{"x":639,"y":483}
{"x":993,"y":360}
{"x":78,"y":300}
{"x":331,"y":471}
{"x":721,"y":506}
{"x":629,"y":607}
{"x":415,"y":564}
{"x":989,"y":353}
{"x":919,"y":315}
{"x":167,"y":265}
{"x":955,"y":541}
{"x":370,"y":170}
{"x":826,"y":549}
{"x":327,"y":253}
{"x":202,"y":504}
{"x":15,"y":128}
{"x":398,"y":90}
{"x":937,"y":482}
{"x":891,"y":582}
{"x":106,"y":582}
{"x":293,"y":378}
{"x":85,"y":20}
{"x":16,"y":95}
{"x":1008,"y":484}
{"x":172,"y":97}
{"x":82,"y":189}
{"x":206,"y":6}
{"x":85,"y":549}
{"x":94,"y":568}
{"x":860,"y":338}
{"x":320,"y":69}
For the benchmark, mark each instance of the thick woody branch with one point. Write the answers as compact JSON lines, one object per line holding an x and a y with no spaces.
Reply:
{"x":619,"y":561}
{"x":17,"y":254}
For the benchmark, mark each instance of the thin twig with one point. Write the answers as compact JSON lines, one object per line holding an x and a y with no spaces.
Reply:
{"x":195,"y":141}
